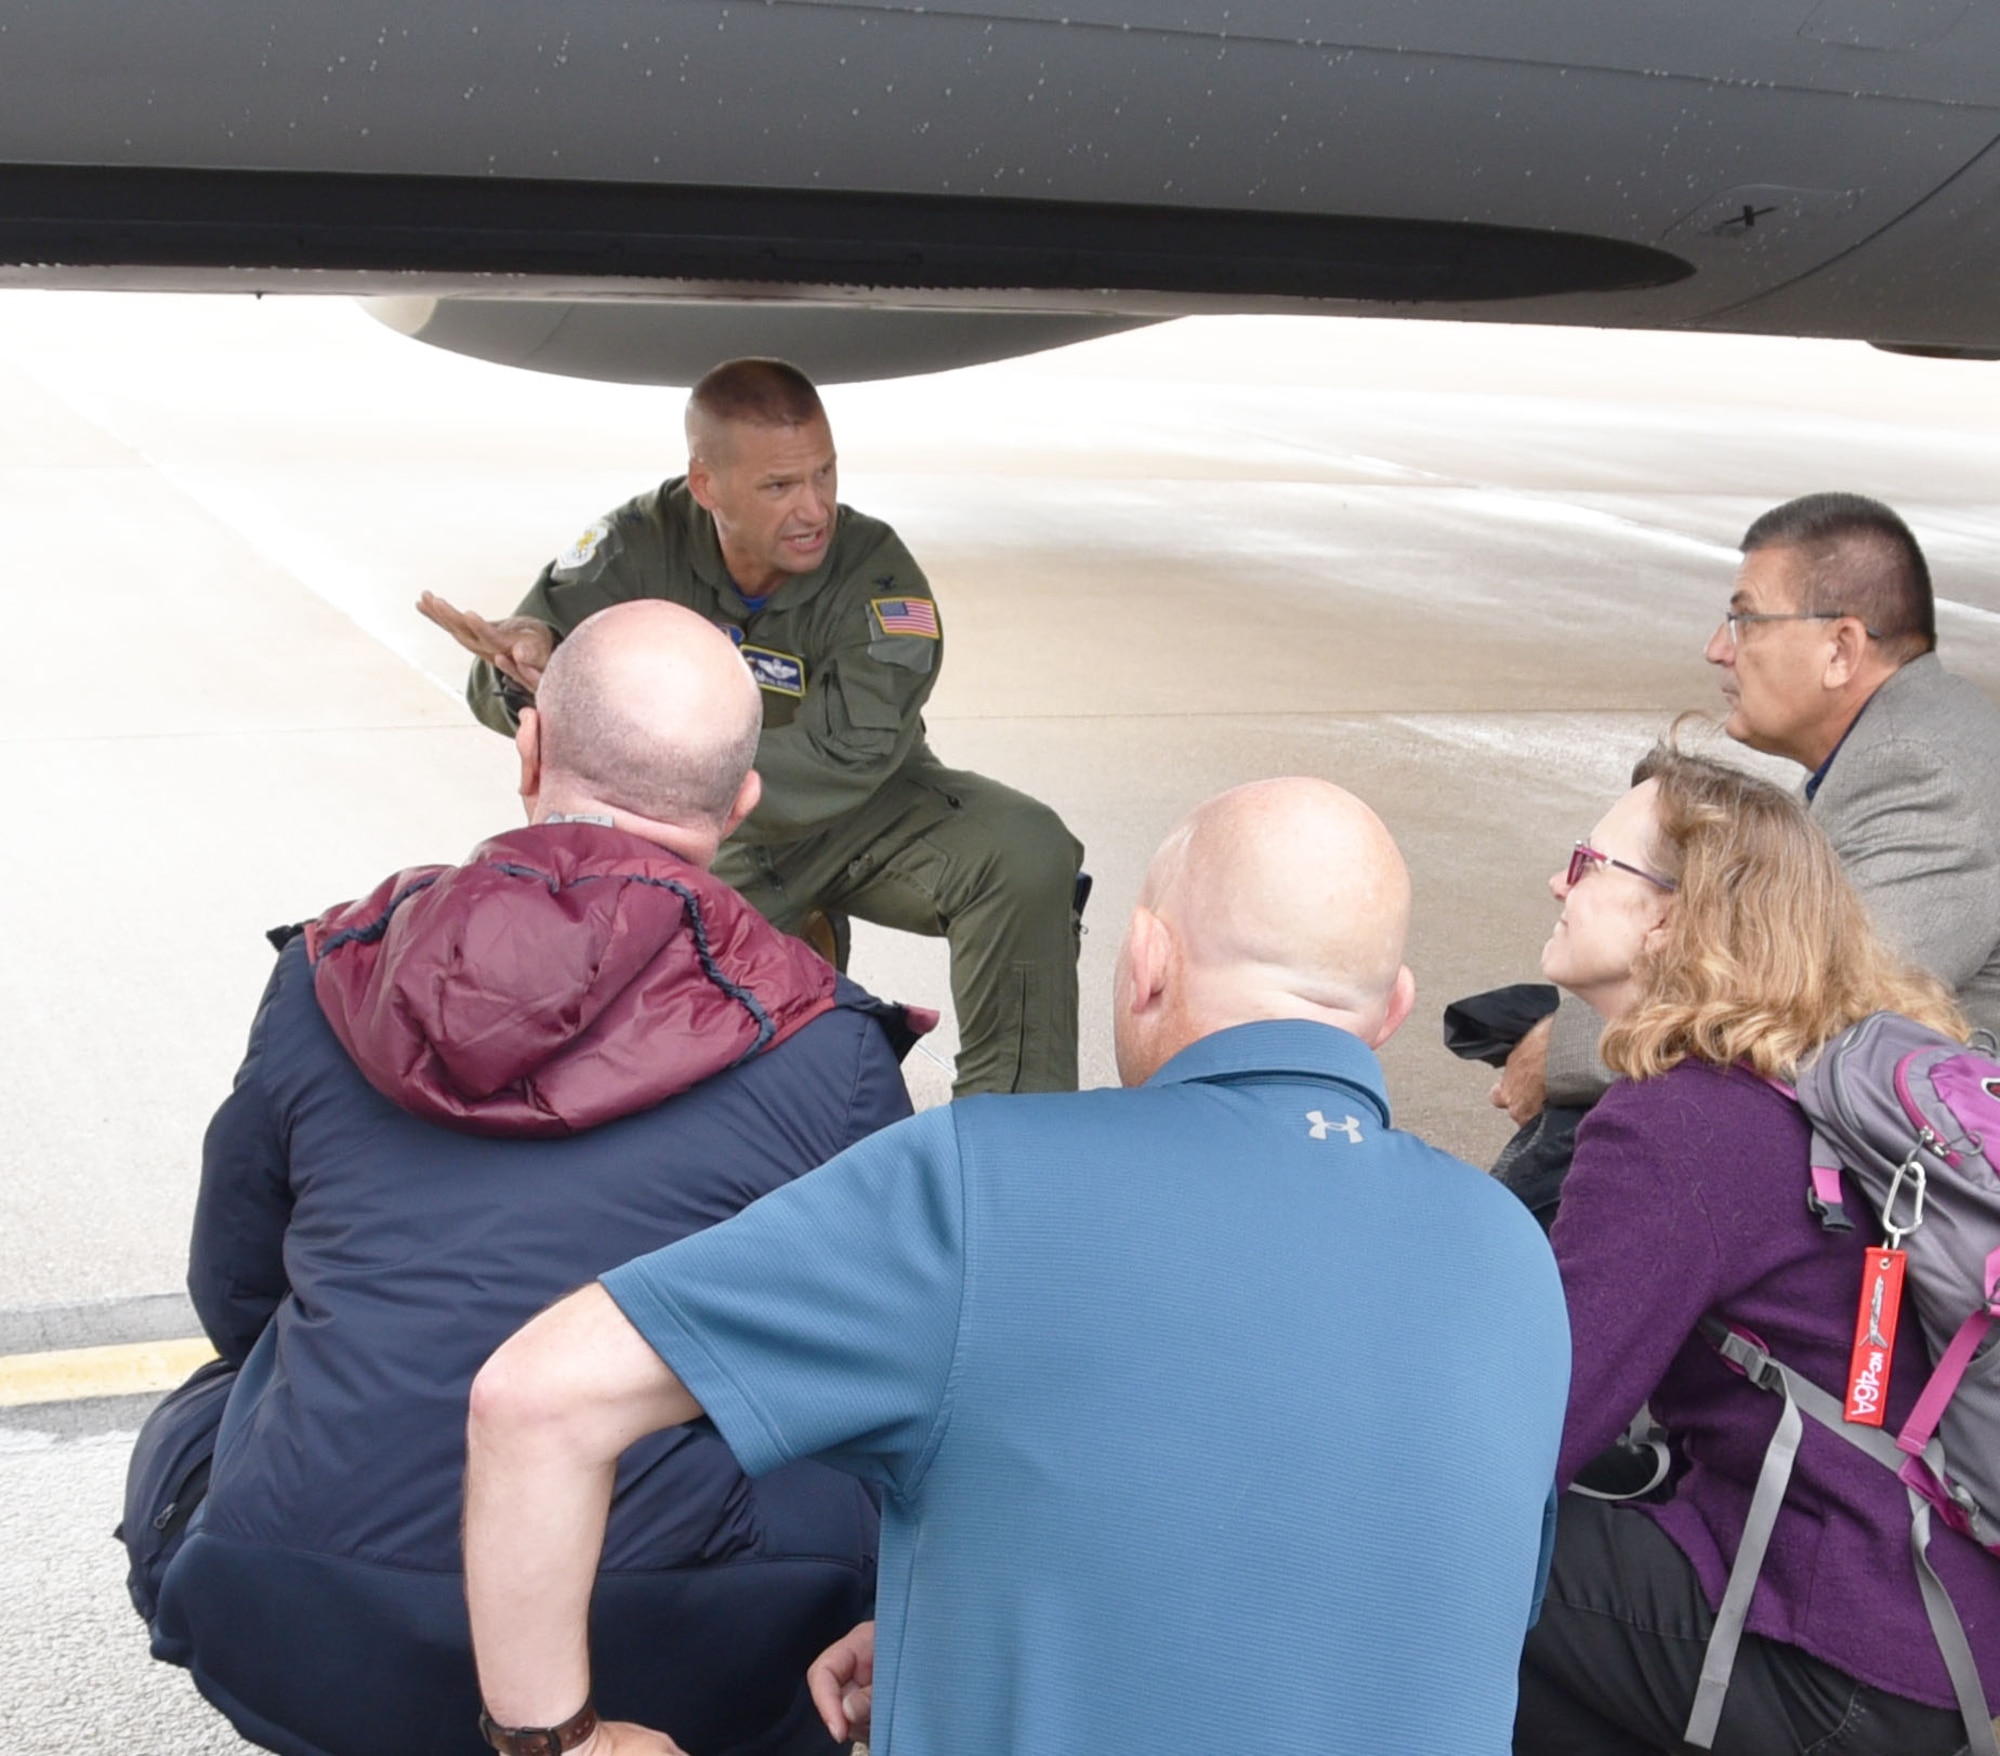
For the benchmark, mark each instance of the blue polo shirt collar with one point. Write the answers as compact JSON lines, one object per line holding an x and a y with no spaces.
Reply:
{"x":1281,"y":1049}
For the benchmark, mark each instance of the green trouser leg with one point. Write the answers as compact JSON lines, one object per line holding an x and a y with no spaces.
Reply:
{"x":941,"y":852}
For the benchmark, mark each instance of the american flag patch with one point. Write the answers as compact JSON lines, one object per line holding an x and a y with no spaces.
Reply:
{"x":906,"y":616}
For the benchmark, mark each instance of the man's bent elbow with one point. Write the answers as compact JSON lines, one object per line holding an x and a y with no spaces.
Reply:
{"x":577,"y":1382}
{"x":517,"y":1395}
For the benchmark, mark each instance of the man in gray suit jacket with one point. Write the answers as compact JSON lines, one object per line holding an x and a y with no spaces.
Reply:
{"x":1828,"y":657}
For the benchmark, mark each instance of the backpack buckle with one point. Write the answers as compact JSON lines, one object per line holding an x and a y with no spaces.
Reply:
{"x":1750,"y":1358}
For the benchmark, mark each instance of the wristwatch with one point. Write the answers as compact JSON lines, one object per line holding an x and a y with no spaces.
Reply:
{"x":540,"y":1740}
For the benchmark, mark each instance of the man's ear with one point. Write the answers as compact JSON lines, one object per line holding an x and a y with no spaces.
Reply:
{"x":701,"y":483}
{"x":1396,"y":1010}
{"x":528,"y":742}
{"x":1149,"y":955}
{"x":747,"y":796}
{"x":1848,"y":652}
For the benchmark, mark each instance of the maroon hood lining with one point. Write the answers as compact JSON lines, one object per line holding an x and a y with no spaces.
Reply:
{"x":512,"y":1004}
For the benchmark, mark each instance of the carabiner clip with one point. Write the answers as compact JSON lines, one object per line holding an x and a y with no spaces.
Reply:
{"x":1890,"y":1230}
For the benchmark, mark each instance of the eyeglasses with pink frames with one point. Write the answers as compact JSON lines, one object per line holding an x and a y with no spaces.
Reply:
{"x":1583,"y":857}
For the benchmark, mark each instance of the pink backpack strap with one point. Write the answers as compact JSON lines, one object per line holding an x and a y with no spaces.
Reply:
{"x":1924,"y":1418}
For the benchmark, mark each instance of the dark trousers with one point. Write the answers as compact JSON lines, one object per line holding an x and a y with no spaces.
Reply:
{"x":325,"y":1655}
{"x":1612,"y":1665}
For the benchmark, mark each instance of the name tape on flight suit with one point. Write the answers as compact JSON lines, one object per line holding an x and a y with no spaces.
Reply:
{"x":782,"y":673}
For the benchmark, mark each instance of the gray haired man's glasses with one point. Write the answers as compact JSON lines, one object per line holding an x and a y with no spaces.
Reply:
{"x":1734,"y":620}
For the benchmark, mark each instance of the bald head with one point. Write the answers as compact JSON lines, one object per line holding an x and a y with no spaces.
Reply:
{"x":1281,"y":899}
{"x":645,"y":713}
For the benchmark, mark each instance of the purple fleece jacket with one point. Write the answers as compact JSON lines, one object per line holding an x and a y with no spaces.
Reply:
{"x":1688,"y":1195}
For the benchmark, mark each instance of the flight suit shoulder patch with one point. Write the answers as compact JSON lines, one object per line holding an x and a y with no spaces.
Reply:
{"x":592,"y":547}
{"x":903,"y":631}
{"x":905,"y":616}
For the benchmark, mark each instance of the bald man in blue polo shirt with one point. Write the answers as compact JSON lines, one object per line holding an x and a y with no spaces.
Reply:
{"x":1211,"y":1408}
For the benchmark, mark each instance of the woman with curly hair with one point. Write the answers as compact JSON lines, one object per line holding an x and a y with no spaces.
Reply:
{"x":1708,"y":921}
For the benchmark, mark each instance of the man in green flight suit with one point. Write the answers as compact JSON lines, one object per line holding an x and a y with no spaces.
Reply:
{"x":838,"y":626}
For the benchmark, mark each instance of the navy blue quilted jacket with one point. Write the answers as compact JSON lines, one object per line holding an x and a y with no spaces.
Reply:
{"x":362,"y":1263}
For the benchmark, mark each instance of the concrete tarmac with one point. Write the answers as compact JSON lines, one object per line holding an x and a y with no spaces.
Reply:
{"x":1465,"y":571}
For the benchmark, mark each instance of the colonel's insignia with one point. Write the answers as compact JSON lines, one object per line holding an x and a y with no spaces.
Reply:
{"x":580,"y":552}
{"x":906,"y":616}
{"x":780,"y":672}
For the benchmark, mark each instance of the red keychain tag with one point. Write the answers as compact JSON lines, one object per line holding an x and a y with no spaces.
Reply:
{"x":1874,"y":1337}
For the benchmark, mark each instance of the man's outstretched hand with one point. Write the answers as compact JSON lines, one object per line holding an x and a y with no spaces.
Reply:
{"x":842,"y":1681}
{"x":517,"y":645}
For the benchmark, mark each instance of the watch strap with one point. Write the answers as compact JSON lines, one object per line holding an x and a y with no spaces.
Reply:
{"x":540,"y":1740}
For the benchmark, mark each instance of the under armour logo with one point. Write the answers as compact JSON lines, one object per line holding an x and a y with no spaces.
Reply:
{"x":1348,"y":1125}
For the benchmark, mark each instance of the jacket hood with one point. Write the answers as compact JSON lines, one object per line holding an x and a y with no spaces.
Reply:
{"x":565,"y":975}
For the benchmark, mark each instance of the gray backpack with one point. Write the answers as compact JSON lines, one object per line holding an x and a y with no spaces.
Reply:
{"x":1904,"y":1114}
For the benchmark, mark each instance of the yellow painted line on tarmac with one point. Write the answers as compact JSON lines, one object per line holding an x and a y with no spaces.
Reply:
{"x":71,"y":1374}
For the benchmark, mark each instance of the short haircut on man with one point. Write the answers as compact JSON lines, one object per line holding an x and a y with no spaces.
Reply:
{"x":1860,"y":560}
{"x":751,"y":392}
{"x":632,"y":750}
